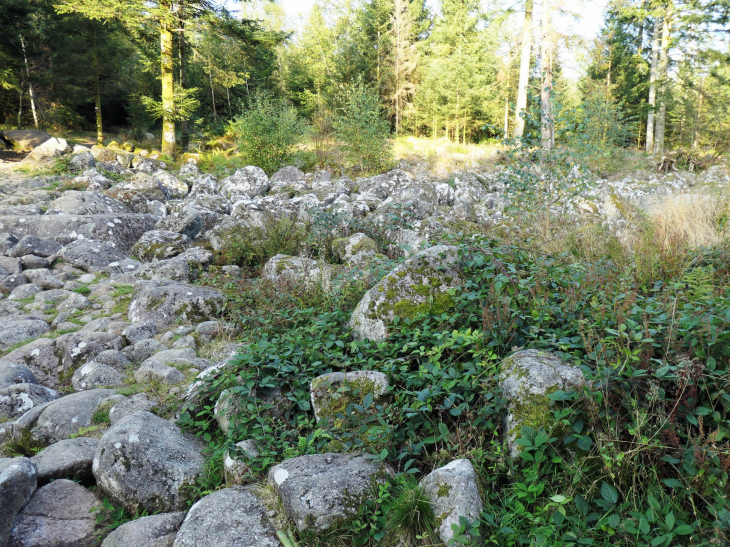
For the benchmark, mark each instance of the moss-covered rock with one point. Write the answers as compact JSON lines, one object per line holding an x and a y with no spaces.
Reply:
{"x":329,"y":399}
{"x":422,"y":284}
{"x":527,"y":378}
{"x":159,"y":245}
{"x":347,"y":247}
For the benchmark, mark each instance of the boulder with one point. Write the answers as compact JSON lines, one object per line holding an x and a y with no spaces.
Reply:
{"x":95,"y":375}
{"x":33,"y":245}
{"x":42,"y":278}
{"x":175,"y":187}
{"x":6,"y":242}
{"x":140,"y":331}
{"x":321,"y":489}
{"x":527,"y":378}
{"x":74,"y":202}
{"x":287,"y":175}
{"x":346,"y":247}
{"x":145,"y":462}
{"x":188,"y":223}
{"x":17,"y":484}
{"x":15,"y":332}
{"x":153,"y":531}
{"x":17,"y":399}
{"x":102,"y":154}
{"x":15,"y":373}
{"x":141,"y":184}
{"x":91,"y":256}
{"x":143,"y":349}
{"x":40,"y":358}
{"x":113,"y":358}
{"x":60,"y":514}
{"x":51,"y":148}
{"x":453,"y":493}
{"x":62,"y":418}
{"x":245,"y":522}
{"x":128,"y":406}
{"x":292,"y":270}
{"x":77,"y":348}
{"x":245,"y":183}
{"x":420,"y":284}
{"x":159,"y":245}
{"x":152,"y":370}
{"x":166,"y":302}
{"x":327,"y":395}
{"x":67,"y":459}
{"x":82,"y":161}
{"x":381,"y":186}
{"x":24,"y":140}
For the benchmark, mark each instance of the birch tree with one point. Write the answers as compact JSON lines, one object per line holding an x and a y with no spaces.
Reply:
{"x":525,"y":60}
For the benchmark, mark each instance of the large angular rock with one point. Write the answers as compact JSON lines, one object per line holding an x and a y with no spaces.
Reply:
{"x":165,"y":303}
{"x":292,"y":270}
{"x":52,"y":148}
{"x":91,"y":256}
{"x":346,"y":247}
{"x":77,"y":348}
{"x":62,"y":418}
{"x":245,"y":183}
{"x":40,"y":358}
{"x":67,"y":459}
{"x":73,"y":202}
{"x":123,"y":230}
{"x":420,"y":284}
{"x":454,"y":493}
{"x":152,"y":370}
{"x":15,"y":332}
{"x":159,"y":245}
{"x":527,"y":378}
{"x":154,"y":531}
{"x":146,"y":462}
{"x":141,"y":184}
{"x":139,"y":331}
{"x":175,"y":187}
{"x":17,"y":399}
{"x":188,"y":222}
{"x":59,"y":515}
{"x":381,"y":186}
{"x":245,"y":522}
{"x":95,"y":375}
{"x":319,"y":490}
{"x":34,"y":245}
{"x":17,"y":484}
{"x":24,"y":139}
{"x":82,"y":161}
{"x":130,"y":405}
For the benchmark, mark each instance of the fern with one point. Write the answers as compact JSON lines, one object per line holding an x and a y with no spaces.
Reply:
{"x":700,"y":281}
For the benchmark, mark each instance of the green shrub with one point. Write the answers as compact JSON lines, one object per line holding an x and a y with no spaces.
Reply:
{"x":364,"y":130}
{"x":268,"y":132}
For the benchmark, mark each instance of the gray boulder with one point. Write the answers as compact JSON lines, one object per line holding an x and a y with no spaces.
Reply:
{"x":248,"y":182}
{"x":40,"y":358}
{"x":15,"y":332}
{"x":527,"y":377}
{"x":15,"y":373}
{"x":17,"y":484}
{"x":52,"y":148}
{"x":62,"y":418}
{"x":420,"y":284}
{"x":67,"y":459}
{"x":154,"y":531}
{"x":152,"y":370}
{"x":128,"y":406}
{"x":175,"y":187}
{"x":291,"y":270}
{"x":139,"y":331}
{"x":91,"y":256}
{"x":77,"y":348}
{"x":141,"y":184}
{"x":188,"y":223}
{"x":166,"y":302}
{"x":24,"y":139}
{"x":74,"y":202}
{"x":94,"y":375}
{"x":319,"y":490}
{"x":113,"y":358}
{"x":146,"y":462}
{"x":245,"y":522}
{"x":59,"y":515}
{"x":34,"y":245}
{"x":454,"y":493}
{"x":80,"y":162}
{"x":17,"y":399}
{"x":159,"y":245}
{"x":6,"y":242}
{"x":346,"y":247}
{"x":143,"y":349}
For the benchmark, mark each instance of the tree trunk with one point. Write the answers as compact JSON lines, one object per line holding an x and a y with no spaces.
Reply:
{"x":168,"y":89}
{"x":20,"y":102}
{"x":212,"y":90}
{"x":662,"y":74}
{"x":97,"y":91}
{"x":697,"y":117}
{"x":547,"y":133}
{"x":184,"y":127}
{"x":652,"y":86}
{"x":30,"y":85}
{"x":524,"y":70}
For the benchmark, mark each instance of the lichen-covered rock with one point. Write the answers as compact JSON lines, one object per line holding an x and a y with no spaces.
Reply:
{"x":67,"y":459}
{"x":291,"y":269}
{"x":166,"y":302}
{"x":420,"y":284}
{"x":327,"y":401}
{"x":143,"y":461}
{"x":234,"y":467}
{"x":17,"y":484}
{"x":527,"y":378}
{"x":13,"y":333}
{"x":94,"y":375}
{"x":59,"y":514}
{"x":174,"y":186}
{"x":141,"y":184}
{"x":152,"y":370}
{"x":232,"y":517}
{"x":347,"y":247}
{"x":319,"y":490}
{"x":77,"y":348}
{"x":40,"y":357}
{"x":74,"y":202}
{"x":248,"y":182}
{"x":17,"y":399}
{"x":34,"y":245}
{"x":453,"y":493}
{"x":153,"y":531}
{"x":188,"y":222}
{"x":82,"y":161}
{"x":159,"y":245}
{"x":128,"y":406}
{"x":381,"y":186}
{"x":15,"y":373}
{"x":139,"y":331}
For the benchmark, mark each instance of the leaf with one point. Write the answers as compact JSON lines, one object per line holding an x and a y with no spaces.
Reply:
{"x":367,"y":400}
{"x":644,"y":526}
{"x":683,"y":530}
{"x":559,"y":498}
{"x":585,"y":443}
{"x":613,"y":521}
{"x":673,"y":483}
{"x":609,"y":493}
{"x":670,"y":520}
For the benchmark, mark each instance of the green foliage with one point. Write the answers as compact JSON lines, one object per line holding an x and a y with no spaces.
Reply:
{"x":361,"y":126}
{"x":268,"y":132}
{"x":109,"y":517}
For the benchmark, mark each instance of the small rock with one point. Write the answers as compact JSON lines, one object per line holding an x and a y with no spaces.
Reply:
{"x":67,"y":459}
{"x":140,"y":331}
{"x":129,"y":406}
{"x":153,"y":531}
{"x":152,"y":370}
